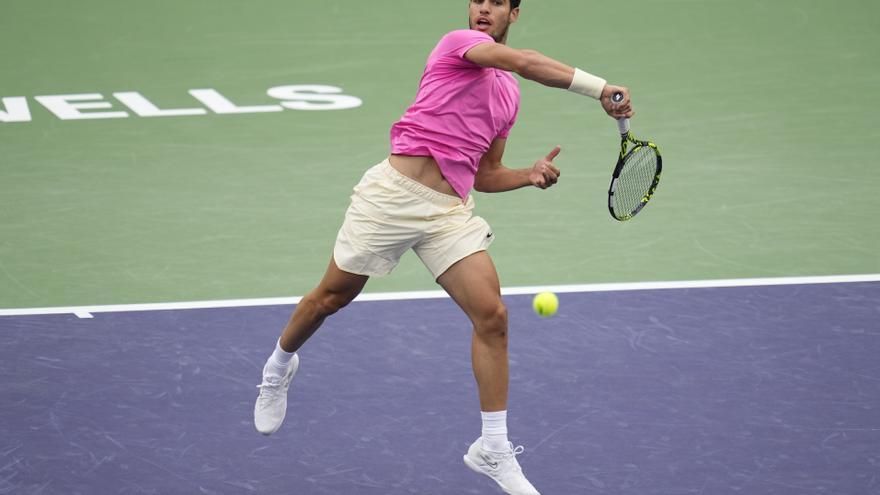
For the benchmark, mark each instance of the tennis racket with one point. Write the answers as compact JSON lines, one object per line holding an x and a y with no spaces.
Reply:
{"x":636,"y":174}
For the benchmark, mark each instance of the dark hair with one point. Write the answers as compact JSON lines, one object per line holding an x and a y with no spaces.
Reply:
{"x":514,"y":4}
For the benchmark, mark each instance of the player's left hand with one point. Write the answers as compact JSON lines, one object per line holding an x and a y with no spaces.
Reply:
{"x":544,"y":174}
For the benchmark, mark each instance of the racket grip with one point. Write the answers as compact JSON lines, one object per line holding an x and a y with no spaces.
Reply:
{"x":622,"y":124}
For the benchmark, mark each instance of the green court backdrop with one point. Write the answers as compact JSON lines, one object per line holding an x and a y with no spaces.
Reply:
{"x":764,"y":112}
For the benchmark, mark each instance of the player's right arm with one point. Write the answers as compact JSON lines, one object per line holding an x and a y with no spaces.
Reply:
{"x":535,"y":66}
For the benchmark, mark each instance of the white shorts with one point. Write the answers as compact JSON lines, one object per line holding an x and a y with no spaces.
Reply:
{"x":391,"y":213}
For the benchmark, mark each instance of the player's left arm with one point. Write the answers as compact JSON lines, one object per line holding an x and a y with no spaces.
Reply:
{"x":493,"y":176}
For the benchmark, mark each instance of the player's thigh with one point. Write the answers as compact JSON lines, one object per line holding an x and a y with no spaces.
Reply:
{"x":473,"y":284}
{"x":339,"y":285}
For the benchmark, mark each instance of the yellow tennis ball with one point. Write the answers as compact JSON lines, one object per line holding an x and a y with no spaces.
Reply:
{"x":545,"y":304}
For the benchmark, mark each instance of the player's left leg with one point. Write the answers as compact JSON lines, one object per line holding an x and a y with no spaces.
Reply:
{"x":473,"y":284}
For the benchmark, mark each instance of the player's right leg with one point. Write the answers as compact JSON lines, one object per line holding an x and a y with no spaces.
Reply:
{"x":373,"y":236}
{"x":336,"y":289}
{"x":334,"y":292}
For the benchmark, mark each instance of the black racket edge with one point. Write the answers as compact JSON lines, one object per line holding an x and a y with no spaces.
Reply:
{"x":625,"y":153}
{"x":621,"y":161}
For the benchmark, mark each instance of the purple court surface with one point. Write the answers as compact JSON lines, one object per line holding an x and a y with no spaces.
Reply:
{"x":753,"y":390}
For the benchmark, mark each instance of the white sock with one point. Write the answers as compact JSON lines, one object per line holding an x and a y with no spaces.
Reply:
{"x":495,"y":431}
{"x":278,"y":361}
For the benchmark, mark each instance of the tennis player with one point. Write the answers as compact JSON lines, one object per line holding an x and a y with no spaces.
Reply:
{"x":449,"y":141}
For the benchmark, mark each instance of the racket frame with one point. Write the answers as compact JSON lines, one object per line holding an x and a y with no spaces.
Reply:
{"x":626,"y":138}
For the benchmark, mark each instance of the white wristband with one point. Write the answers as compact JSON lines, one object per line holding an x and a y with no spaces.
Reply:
{"x":587,"y":84}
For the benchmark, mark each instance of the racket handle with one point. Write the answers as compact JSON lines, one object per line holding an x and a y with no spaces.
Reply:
{"x":622,"y":124}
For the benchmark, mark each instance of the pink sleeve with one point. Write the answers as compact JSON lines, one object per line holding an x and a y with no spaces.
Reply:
{"x":506,"y":131}
{"x":513,"y":101}
{"x":457,"y":43}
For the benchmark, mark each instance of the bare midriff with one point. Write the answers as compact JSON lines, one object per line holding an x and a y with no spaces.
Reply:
{"x":422,"y":169}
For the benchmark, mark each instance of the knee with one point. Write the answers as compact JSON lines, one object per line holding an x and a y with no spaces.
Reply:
{"x":492,"y":322}
{"x":324,"y":304}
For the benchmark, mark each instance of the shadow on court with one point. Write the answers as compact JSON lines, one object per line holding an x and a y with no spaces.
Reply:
{"x":772,"y":390}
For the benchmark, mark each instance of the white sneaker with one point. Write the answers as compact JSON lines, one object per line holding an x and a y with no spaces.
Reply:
{"x":271,"y":406}
{"x":501,"y":467}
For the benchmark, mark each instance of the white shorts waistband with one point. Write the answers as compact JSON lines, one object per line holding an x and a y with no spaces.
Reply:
{"x":418,"y":188}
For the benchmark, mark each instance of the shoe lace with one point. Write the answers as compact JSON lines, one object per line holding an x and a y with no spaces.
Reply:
{"x":504,"y":457}
{"x":269,"y":389}
{"x":515,"y":451}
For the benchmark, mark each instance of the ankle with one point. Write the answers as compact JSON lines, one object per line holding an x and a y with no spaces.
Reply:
{"x":495,"y":431}
{"x":279,"y":360}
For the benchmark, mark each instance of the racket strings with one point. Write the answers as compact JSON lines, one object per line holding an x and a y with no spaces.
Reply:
{"x":635,"y":181}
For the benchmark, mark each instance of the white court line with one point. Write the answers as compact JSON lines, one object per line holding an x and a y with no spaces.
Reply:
{"x":88,"y":311}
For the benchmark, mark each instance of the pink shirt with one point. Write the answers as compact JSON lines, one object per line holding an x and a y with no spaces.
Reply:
{"x":459,"y":110}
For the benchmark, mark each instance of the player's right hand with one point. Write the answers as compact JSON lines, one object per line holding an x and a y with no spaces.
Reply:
{"x":616,"y":110}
